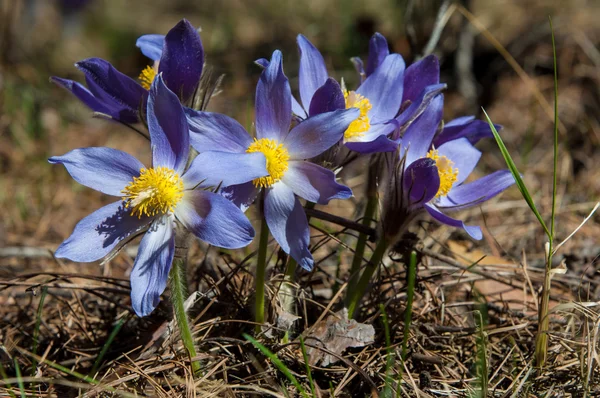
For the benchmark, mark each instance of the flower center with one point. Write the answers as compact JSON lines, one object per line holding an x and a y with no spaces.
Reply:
{"x":155,"y":191}
{"x":277,"y":160}
{"x":147,"y":76}
{"x":447,"y":174}
{"x":357,"y":128}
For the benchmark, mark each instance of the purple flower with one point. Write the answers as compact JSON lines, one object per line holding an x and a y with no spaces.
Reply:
{"x":290,"y":175}
{"x":155,"y":200}
{"x":179,"y":56}
{"x":430,"y":177}
{"x":389,"y":98}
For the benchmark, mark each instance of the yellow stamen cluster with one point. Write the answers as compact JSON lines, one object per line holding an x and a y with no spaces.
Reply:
{"x":447,"y":174}
{"x":277,"y":160}
{"x":147,"y":76}
{"x":357,"y":128}
{"x":155,"y":191}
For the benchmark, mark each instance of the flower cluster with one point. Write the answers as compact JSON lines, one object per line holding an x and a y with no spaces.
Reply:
{"x":207,"y":170}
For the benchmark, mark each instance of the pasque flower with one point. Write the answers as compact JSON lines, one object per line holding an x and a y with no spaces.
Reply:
{"x":157,"y":200}
{"x":290,"y":175}
{"x":389,"y":97}
{"x":431,"y":177}
{"x":179,"y":56}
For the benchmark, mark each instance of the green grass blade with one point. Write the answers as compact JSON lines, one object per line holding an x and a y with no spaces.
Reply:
{"x":555,"y":155}
{"x":308,"y":371}
{"x":106,"y":346}
{"x":36,"y":330}
{"x":61,"y":368}
{"x":277,"y":362}
{"x":389,"y":362}
{"x":515,"y":172}
{"x":19,"y":378}
{"x":75,"y":374}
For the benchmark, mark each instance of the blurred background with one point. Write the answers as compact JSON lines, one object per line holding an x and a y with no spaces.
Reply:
{"x":40,"y":204}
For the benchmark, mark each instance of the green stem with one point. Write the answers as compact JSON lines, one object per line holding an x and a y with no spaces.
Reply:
{"x":410,"y":292}
{"x":363,"y":282}
{"x":178,"y":297}
{"x":361,"y":244}
{"x":261,"y":268}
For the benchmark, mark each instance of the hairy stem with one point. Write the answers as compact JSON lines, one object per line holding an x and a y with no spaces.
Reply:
{"x":261,"y":268}
{"x":361,"y":244}
{"x":179,"y":293}
{"x":286,"y":290}
{"x":363,"y":282}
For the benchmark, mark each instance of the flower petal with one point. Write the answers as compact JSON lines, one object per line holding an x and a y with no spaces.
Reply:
{"x":378,"y":50}
{"x":421,"y":181}
{"x":152,"y":264}
{"x":418,"y":106}
{"x":209,"y":169}
{"x":464,"y":156}
{"x":297,"y":109}
{"x":214,"y":219}
{"x":151,"y":45}
{"x":418,"y":76}
{"x":169,"y":133}
{"x":478,"y":191}
{"x":216,"y":132}
{"x":379,"y":144}
{"x":418,"y":136}
{"x":360,"y":68}
{"x":313,"y":72}
{"x":466,"y":127}
{"x":182,"y":60}
{"x":112,"y":108}
{"x":460,"y":121}
{"x":107,"y":83}
{"x":95,"y":236}
{"x":273,"y":101}
{"x":104,"y":169}
{"x":329,"y":97}
{"x":288,"y":224}
{"x":473,"y":231}
{"x":242,"y":195}
{"x":383,"y":89}
{"x":314,"y":183}
{"x":375,"y":139}
{"x":262,"y":62}
{"x":318,"y":133}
